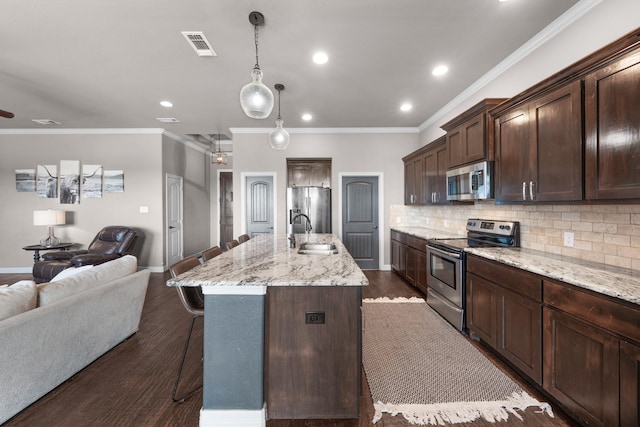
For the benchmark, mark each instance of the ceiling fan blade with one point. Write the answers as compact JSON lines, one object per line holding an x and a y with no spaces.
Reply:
{"x":6,"y":114}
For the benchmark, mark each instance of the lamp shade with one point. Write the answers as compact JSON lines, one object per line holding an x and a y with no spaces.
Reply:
{"x":256,"y":98}
{"x":48,"y":217}
{"x":279,"y":137}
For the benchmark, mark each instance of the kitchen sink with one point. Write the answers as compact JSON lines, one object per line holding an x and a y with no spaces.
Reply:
{"x":310,"y":248}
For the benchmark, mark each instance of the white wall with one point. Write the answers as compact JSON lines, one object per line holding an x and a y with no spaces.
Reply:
{"x":359,"y":152}
{"x":139,"y":156}
{"x":604,"y":23}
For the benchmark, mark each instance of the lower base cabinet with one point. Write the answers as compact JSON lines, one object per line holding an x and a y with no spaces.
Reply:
{"x":581,"y":368}
{"x":409,"y":259}
{"x":313,"y":341}
{"x":629,"y":384}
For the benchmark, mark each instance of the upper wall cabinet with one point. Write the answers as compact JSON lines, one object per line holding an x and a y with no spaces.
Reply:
{"x":425,"y":178}
{"x":470,"y":135}
{"x":308,"y":172}
{"x":539,"y":148}
{"x":612,"y":128}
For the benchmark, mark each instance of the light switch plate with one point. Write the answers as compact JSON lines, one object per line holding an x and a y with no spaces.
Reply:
{"x":568,"y":239}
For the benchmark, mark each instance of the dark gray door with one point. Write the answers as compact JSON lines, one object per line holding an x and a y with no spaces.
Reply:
{"x":259,"y":205}
{"x":360,"y":219}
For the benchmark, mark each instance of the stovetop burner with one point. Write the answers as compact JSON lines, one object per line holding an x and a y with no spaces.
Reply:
{"x":481,"y":234}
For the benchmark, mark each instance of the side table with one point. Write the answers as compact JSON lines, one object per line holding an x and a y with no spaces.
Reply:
{"x":37,"y":248}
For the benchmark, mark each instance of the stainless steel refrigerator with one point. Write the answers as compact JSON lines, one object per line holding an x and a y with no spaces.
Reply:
{"x":315,"y":202}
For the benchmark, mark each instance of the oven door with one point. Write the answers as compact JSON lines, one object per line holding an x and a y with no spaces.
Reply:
{"x":445,"y":291}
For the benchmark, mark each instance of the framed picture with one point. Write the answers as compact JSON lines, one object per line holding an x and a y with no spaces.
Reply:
{"x":69,"y":182}
{"x":113,"y":181}
{"x":25,"y":180}
{"x":47,"y":181}
{"x":91,"y":181}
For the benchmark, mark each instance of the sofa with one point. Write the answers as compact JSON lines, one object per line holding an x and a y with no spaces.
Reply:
{"x":52,"y":330}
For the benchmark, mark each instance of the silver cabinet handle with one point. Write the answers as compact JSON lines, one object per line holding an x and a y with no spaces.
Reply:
{"x":524,"y":190}
{"x":531,"y":190}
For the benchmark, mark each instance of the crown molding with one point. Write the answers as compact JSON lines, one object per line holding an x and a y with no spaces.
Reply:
{"x":549,"y":32}
{"x":380,"y":130}
{"x":84,"y":131}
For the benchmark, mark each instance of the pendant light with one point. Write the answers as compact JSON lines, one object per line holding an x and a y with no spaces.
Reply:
{"x":256,"y":99}
{"x":279,"y":137}
{"x":219,"y":157}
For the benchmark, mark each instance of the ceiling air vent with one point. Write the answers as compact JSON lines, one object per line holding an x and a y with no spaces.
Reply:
{"x":199,"y":43}
{"x":45,"y":122}
{"x":168,"y":120}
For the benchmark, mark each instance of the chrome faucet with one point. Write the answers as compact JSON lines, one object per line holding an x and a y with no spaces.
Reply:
{"x":307,"y":228}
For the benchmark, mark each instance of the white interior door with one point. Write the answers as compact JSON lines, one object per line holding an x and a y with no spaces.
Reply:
{"x":174,"y":232}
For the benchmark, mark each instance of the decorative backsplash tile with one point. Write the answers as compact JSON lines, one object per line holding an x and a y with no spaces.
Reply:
{"x":608,"y":234}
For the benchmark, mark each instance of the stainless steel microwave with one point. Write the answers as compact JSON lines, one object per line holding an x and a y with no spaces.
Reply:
{"x":473,"y":182}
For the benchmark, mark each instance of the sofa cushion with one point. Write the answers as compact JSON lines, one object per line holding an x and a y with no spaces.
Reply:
{"x":98,"y":275}
{"x":17,"y":298}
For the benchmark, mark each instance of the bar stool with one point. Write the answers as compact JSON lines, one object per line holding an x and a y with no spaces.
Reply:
{"x":211,"y":253}
{"x":193,"y":301}
{"x":243,"y":238}
{"x":232,"y":244}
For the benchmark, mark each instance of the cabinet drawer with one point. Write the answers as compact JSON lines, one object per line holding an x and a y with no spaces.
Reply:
{"x":400,"y":237}
{"x":599,"y":310}
{"x":513,"y":279}
{"x":417,"y":243}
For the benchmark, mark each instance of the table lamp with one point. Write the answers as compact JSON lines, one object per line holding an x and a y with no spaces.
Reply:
{"x":49,"y":218}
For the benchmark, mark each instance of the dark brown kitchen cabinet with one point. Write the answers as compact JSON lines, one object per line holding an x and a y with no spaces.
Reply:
{"x":308,"y":172}
{"x":313,"y":367}
{"x":413,"y":179}
{"x":409,"y":259}
{"x":539,"y":148}
{"x":591,"y":354}
{"x":629,"y":384}
{"x":612,"y":124}
{"x":504,"y":309}
{"x":425,"y":174}
{"x":581,"y":368}
{"x":470,"y":135}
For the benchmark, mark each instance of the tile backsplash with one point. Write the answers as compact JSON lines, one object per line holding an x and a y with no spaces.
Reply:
{"x":608,"y":234}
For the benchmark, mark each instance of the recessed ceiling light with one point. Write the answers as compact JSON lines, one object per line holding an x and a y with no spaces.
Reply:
{"x":46,"y":122}
{"x":440,"y":70}
{"x":168,"y":120}
{"x":406,"y":107}
{"x":306,"y":117}
{"x":167,"y":104}
{"x":320,"y":58}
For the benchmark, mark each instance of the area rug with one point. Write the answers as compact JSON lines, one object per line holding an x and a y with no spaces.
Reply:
{"x":421,"y":367}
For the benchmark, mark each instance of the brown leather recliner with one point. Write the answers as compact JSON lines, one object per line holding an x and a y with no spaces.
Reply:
{"x":110,"y":243}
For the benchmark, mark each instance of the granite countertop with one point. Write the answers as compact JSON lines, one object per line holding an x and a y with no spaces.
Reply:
{"x":616,"y":282}
{"x":268,"y":261}
{"x":426,"y":233}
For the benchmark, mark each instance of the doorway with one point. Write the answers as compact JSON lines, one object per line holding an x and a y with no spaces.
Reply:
{"x":225,"y":192}
{"x":360,"y":219}
{"x":259,"y":205}
{"x":174,"y":209}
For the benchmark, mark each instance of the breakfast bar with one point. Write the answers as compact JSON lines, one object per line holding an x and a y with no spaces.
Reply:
{"x":273,"y":314}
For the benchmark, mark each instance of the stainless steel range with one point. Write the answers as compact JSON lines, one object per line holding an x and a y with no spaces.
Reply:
{"x":446,"y":264}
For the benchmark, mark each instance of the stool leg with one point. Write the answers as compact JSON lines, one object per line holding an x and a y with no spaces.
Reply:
{"x":184,"y":355}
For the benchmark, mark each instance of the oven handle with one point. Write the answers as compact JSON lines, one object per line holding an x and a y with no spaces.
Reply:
{"x":443,"y":253}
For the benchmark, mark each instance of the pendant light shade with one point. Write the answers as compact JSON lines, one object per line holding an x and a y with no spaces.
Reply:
{"x":279,"y":137}
{"x":256,"y":98}
{"x":218,"y":157}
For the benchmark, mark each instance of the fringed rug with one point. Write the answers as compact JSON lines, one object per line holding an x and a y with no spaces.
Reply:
{"x":420,"y":366}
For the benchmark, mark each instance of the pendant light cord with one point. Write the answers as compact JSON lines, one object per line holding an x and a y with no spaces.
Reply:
{"x":280,"y":118}
{"x":255,"y":27}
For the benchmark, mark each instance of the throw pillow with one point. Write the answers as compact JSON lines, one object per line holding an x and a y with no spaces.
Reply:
{"x":17,"y":298}
{"x":68,"y":272}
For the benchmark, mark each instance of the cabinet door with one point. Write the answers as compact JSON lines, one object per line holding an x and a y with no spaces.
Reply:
{"x":440,"y":184}
{"x":421,"y":275}
{"x":466,"y":143}
{"x":520,"y":333}
{"x":411,"y":265}
{"x":629,"y":384}
{"x":409,"y":182}
{"x":395,"y":254}
{"x":481,"y":307}
{"x":418,"y":178}
{"x":430,"y":172}
{"x":455,"y":144}
{"x":612,"y":120}
{"x":581,"y":368}
{"x":556,"y":136}
{"x":512,"y":156}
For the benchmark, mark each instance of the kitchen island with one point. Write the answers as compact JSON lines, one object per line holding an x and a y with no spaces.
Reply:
{"x":282,"y":332}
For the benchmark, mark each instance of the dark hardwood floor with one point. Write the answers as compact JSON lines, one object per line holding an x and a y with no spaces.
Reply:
{"x":131,"y":384}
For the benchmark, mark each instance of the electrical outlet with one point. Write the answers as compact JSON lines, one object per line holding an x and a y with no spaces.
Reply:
{"x":568,"y":239}
{"x":314,"y":317}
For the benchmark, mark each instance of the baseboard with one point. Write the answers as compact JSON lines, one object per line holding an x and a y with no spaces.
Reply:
{"x":232,"y":418}
{"x":15,"y":270}
{"x":386,"y":267}
{"x":153,"y":269}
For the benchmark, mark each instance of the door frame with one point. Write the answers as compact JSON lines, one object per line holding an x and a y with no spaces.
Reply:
{"x":381,"y":233}
{"x":214,"y":239}
{"x":243,"y":201}
{"x":166,"y":217}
